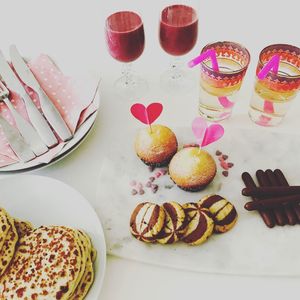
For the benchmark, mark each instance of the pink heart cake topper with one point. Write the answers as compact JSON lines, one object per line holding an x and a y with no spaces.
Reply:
{"x":199,"y":127}
{"x":146,"y":115}
{"x":205,"y":134}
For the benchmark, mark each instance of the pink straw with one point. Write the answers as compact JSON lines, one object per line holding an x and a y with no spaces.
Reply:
{"x":273,"y":64}
{"x":211,"y":53}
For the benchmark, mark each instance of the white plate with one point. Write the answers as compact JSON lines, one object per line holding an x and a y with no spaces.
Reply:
{"x":46,"y":201}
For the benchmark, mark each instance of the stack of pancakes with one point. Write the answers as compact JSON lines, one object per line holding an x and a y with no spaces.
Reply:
{"x":49,"y":262}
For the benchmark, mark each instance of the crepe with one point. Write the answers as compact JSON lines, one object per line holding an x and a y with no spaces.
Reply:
{"x":22,"y":227}
{"x":47,"y":265}
{"x":4,"y":226}
{"x":88,"y":275}
{"x":8,"y":249}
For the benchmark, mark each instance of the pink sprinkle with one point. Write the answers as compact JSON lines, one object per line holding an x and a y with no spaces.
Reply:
{"x":139,"y":185}
{"x":133,"y":192}
{"x":225,"y":173}
{"x":133,"y":183}
{"x":157,"y":174}
{"x":224,"y":165}
{"x":148,"y":184}
{"x":163,"y":171}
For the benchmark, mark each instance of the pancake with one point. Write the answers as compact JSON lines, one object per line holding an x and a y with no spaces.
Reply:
{"x":22,"y":227}
{"x":93,"y":254}
{"x":4,"y":226}
{"x":46,"y":265}
{"x":8,"y":249}
{"x":88,"y":276}
{"x":85,"y":253}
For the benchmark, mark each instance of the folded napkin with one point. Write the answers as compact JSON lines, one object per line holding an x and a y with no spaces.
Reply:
{"x":74,"y":102}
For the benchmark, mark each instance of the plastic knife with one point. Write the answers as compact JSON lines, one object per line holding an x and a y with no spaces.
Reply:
{"x":50,"y":112}
{"x":36,"y":118}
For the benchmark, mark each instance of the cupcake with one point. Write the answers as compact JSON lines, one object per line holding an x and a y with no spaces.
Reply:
{"x":192,"y":169}
{"x":222,"y":211}
{"x":156,"y":146}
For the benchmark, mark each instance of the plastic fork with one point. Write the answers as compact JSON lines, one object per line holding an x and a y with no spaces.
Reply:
{"x":29,"y":134}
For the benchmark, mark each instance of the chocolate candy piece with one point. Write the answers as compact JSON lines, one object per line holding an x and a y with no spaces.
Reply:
{"x":272,"y":202}
{"x":282,"y":180}
{"x":286,"y":210}
{"x":223,"y":212}
{"x":147,"y":221}
{"x":199,"y":225}
{"x":271,"y":191}
{"x":267,"y":215}
{"x":175,"y":226}
{"x":264,"y":180}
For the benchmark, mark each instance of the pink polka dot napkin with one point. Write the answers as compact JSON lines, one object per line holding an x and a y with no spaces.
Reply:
{"x":68,"y":96}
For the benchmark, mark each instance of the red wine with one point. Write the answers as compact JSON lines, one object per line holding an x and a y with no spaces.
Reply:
{"x":178,"y":29}
{"x":125,"y":36}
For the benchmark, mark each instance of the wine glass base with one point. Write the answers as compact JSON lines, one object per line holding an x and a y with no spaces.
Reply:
{"x":176,"y":81}
{"x":132,"y":87}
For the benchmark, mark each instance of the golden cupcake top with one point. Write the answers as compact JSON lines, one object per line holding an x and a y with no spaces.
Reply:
{"x":155,"y":144}
{"x":192,"y":165}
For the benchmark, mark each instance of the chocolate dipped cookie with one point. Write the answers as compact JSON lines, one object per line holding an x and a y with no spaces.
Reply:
{"x":222,"y":211}
{"x":147,"y":221}
{"x":175,"y":226}
{"x":199,"y":224}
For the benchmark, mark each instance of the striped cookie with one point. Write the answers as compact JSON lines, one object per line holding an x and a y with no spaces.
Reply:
{"x":147,"y":221}
{"x":222,"y":211}
{"x":200,"y":225}
{"x":174,"y":227}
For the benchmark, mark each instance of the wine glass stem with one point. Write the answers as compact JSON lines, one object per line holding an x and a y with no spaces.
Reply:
{"x":176,"y":67}
{"x":127,"y":73}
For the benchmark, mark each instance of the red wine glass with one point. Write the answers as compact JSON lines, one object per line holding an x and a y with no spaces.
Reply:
{"x":178,"y":32}
{"x":126,"y":41}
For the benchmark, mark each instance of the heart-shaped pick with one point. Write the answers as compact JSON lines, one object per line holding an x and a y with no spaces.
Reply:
{"x":199,"y":127}
{"x":146,"y":115}
{"x":213,"y":133}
